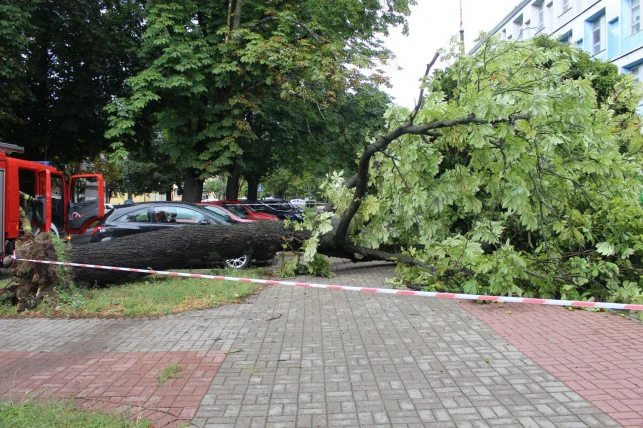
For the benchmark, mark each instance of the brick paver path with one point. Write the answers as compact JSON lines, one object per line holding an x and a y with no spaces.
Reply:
{"x":598,"y":355}
{"x":113,"y":381}
{"x":310,"y":357}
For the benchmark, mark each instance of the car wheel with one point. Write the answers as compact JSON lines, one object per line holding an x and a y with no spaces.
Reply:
{"x":238,"y":262}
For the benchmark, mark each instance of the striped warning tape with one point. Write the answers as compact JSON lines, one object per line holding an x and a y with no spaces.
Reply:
{"x":499,"y":299}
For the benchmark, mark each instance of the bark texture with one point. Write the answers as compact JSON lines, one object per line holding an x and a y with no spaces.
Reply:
{"x":187,"y":247}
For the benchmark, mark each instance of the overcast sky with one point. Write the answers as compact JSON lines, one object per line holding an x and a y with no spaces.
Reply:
{"x":431,"y":25}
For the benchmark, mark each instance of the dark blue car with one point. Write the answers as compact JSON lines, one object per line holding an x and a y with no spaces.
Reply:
{"x":144,"y":217}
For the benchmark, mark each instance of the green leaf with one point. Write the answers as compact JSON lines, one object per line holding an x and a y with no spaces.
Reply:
{"x":605,"y":248}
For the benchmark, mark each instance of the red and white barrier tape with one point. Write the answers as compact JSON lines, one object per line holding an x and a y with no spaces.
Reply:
{"x":499,"y":299}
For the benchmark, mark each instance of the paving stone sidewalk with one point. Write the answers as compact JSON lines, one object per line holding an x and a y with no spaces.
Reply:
{"x":312,"y":357}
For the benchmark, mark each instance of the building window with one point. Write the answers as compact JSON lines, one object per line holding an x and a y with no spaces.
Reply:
{"x":518,"y":28}
{"x":636,"y":72}
{"x":538,"y":12}
{"x":566,"y":38}
{"x":636,"y":16}
{"x":597,"y":36}
{"x":566,"y":5}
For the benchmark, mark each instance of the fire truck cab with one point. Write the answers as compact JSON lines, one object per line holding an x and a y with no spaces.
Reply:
{"x":50,"y":203}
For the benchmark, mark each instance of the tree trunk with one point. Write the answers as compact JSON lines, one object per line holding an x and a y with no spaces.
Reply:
{"x":253,"y":183}
{"x":237,"y":15}
{"x":193,"y":190}
{"x":176,"y":248}
{"x":198,"y":247}
{"x":186,"y":247}
{"x":232,"y":185}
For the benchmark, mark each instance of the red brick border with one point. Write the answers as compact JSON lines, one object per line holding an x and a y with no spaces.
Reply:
{"x":114,"y":381}
{"x":598,"y":355}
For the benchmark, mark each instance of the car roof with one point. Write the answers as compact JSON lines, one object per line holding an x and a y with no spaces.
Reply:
{"x":230,"y":201}
{"x":120,"y":210}
{"x":214,"y":206}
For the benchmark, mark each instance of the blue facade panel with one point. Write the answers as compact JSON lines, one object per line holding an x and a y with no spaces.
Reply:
{"x":613,"y":40}
{"x":628,"y":40}
{"x":632,"y":42}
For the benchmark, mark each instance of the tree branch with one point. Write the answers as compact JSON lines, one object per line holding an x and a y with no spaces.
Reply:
{"x":310,"y":31}
{"x":360,"y":179}
{"x":421,"y":98}
{"x":383,"y":255}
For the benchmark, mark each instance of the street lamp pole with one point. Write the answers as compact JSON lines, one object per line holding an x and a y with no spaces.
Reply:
{"x":129,"y":192}
{"x":461,"y":31}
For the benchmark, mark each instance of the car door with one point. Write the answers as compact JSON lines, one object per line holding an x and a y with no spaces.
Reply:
{"x":170,"y":216}
{"x":86,"y":196}
{"x":130,"y":223}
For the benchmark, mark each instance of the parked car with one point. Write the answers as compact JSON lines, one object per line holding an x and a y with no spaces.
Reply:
{"x":298,"y":202}
{"x":227,"y":214}
{"x":144,"y":217}
{"x":282,"y":204}
{"x":244,"y":211}
{"x":283,"y":210}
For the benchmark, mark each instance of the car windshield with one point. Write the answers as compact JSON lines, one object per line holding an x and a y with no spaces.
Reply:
{"x":282,"y":207}
{"x":260,"y":208}
{"x":238,"y":210}
{"x":219,"y":213}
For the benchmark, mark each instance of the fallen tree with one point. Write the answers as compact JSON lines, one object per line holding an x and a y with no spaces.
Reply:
{"x":514,"y":174}
{"x":188,"y":247}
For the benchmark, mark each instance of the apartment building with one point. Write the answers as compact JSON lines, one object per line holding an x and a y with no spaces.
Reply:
{"x":609,"y":30}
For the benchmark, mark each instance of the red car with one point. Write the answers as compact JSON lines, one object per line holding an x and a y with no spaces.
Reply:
{"x":239,"y":212}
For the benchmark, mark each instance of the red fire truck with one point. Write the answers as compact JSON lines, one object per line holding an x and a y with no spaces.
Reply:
{"x":51,"y":203}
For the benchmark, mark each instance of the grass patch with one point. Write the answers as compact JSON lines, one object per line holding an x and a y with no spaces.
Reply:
{"x":152,"y":296}
{"x":60,"y":414}
{"x":170,"y":372}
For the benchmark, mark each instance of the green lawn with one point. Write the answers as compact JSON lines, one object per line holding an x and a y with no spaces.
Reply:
{"x":157,"y":295}
{"x":60,"y":414}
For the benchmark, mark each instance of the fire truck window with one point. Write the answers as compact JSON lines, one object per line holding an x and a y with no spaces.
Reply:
{"x":85,"y":190}
{"x":27,"y":182}
{"x":57,"y":204}
{"x":56,"y":187}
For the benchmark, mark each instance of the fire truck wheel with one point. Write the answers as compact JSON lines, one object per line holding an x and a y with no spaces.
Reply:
{"x":54,"y":230}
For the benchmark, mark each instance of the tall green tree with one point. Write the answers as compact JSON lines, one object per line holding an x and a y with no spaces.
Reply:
{"x":212,"y":67}
{"x":307,"y":141}
{"x":15,"y":28}
{"x":65,"y":61}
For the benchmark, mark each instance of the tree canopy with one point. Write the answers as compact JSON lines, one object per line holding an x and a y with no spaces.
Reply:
{"x":62,"y":63}
{"x":212,"y":70}
{"x":515,"y":174}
